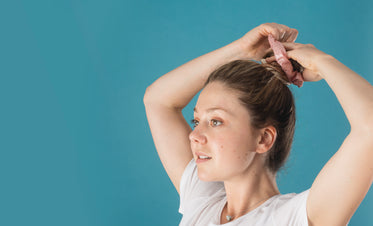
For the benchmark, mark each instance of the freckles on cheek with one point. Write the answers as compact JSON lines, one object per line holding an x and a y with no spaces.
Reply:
{"x":220,"y":144}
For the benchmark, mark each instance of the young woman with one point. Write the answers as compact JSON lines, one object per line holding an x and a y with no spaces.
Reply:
{"x":225,"y":169}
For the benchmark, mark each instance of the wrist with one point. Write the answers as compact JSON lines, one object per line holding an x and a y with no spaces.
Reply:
{"x":244,"y":52}
{"x":322,"y":61}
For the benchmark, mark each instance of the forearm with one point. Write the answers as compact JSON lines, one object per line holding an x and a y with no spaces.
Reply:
{"x":176,"y":88}
{"x":354,"y":93}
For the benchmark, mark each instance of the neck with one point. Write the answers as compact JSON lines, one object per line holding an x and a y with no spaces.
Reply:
{"x":247,"y":191}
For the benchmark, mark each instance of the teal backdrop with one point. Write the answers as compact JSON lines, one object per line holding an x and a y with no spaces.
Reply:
{"x":75,"y":145}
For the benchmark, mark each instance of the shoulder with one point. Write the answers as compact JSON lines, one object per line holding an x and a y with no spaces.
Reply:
{"x":292,"y":198}
{"x":290,"y":209}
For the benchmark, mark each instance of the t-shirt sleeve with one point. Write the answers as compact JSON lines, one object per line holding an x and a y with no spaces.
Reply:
{"x":192,"y":188}
{"x":293,"y":211}
{"x":301,"y":214}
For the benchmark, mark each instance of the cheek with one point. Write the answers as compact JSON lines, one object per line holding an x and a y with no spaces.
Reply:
{"x":236,"y":143}
{"x":221,"y":144}
{"x":228,"y":144}
{"x":242,"y":146}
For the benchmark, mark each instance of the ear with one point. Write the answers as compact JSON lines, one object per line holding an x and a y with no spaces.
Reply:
{"x":266,"y":139}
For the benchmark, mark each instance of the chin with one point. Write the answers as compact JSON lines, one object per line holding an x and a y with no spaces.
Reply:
{"x":205,"y":177}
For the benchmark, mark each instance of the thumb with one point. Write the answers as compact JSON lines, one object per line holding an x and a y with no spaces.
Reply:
{"x":310,"y":76}
{"x":270,"y":59}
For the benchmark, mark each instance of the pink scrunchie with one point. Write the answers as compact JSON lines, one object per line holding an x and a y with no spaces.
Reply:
{"x":282,"y":59}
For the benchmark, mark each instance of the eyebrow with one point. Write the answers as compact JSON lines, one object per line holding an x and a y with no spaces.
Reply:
{"x":215,"y":109}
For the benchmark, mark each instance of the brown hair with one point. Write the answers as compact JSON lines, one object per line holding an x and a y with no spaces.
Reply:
{"x":264,"y":92}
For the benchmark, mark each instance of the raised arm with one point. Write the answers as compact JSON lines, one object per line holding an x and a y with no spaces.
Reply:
{"x":169,"y":94}
{"x":346,"y":178}
{"x":165,"y":99}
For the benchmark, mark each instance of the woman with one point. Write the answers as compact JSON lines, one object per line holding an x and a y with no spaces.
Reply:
{"x":225,"y":169}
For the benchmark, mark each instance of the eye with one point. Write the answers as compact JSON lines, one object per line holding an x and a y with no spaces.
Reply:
{"x":194,"y":122}
{"x":215,"y":122}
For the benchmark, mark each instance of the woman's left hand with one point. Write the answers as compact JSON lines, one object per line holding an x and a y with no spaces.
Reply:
{"x":255,"y":42}
{"x":306,"y":55}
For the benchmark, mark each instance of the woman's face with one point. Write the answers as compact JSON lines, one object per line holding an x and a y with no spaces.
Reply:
{"x":223,"y":132}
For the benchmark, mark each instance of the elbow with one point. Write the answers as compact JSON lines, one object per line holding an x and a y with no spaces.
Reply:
{"x":368,"y":124}
{"x":150,"y":97}
{"x":153,"y":97}
{"x":369,"y":128}
{"x":146,"y":98}
{"x":364,"y":128}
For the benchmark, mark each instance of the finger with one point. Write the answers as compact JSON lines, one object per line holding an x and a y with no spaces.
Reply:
{"x":285,"y":32}
{"x":270,"y":59}
{"x":290,"y":45}
{"x":269,"y":52}
{"x":290,"y":36}
{"x":307,"y":74}
{"x":278,"y":32}
{"x":299,"y":60}
{"x":288,"y":33}
{"x":293,"y":36}
{"x":286,"y":37}
{"x":310,"y":76}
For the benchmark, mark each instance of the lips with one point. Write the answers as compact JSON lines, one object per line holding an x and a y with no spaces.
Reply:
{"x":203,"y":159}
{"x":202,"y":154}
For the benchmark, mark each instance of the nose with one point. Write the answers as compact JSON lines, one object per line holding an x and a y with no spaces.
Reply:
{"x":197,"y":137}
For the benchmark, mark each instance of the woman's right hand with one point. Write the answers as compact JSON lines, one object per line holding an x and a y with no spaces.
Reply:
{"x":255,"y":42}
{"x":306,"y":55}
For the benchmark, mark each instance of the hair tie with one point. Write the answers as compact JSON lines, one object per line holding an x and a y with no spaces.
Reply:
{"x":275,"y":74}
{"x":282,"y":59}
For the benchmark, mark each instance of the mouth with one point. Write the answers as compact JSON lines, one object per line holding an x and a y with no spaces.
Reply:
{"x":201,"y":157}
{"x":201,"y":160}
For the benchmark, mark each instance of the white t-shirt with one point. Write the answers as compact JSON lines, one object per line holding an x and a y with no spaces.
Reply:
{"x":201,"y":204}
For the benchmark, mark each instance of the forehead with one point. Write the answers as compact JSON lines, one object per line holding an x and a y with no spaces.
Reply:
{"x":217,"y":95}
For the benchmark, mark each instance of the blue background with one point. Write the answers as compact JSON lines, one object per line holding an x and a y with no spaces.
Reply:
{"x":75,"y":144}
